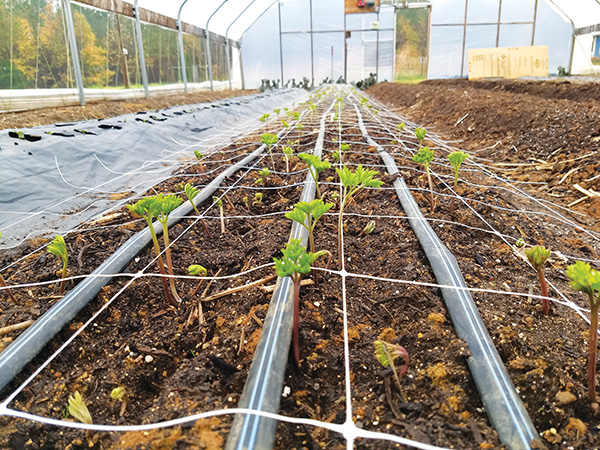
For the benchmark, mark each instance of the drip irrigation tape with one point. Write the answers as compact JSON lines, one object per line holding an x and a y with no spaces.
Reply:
{"x":498,"y":394}
{"x":29,"y":344}
{"x":264,"y":384}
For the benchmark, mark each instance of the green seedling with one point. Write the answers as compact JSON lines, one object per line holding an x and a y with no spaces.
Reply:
{"x":420,"y":134}
{"x":387,"y":354}
{"x":78,"y":409}
{"x":315,"y":167}
{"x":295,"y":263}
{"x":364,"y":101}
{"x":424,"y":157}
{"x":148,"y":209}
{"x":198,"y":155}
{"x":4,"y":285}
{"x":307,"y":215}
{"x":219,"y":203}
{"x":296,"y":115}
{"x":264,"y":117}
{"x":312,"y":109}
{"x":277,"y":111}
{"x":269,"y":140}
{"x":191,"y":192}
{"x":587,"y":280}
{"x":368,"y":229}
{"x":58,"y":248}
{"x":352,"y":182}
{"x":264,"y":172}
{"x":299,"y":127}
{"x":285,"y":124}
{"x":456,"y":159}
{"x":400,"y":126}
{"x":119,"y":393}
{"x":520,"y":243}
{"x":245,"y":201}
{"x":257,"y":199}
{"x":196,"y":270}
{"x":166,"y":204}
{"x":537,"y":256}
{"x":288,"y":152}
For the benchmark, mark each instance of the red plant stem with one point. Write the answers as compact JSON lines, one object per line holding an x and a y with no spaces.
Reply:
{"x":62,"y":281}
{"x":296,"y":278}
{"x":544,"y":286}
{"x":170,"y":264}
{"x":454,"y":196}
{"x":161,"y":264}
{"x":197,"y":289}
{"x":592,"y":350}
{"x":430,"y":191}
{"x":8,"y":291}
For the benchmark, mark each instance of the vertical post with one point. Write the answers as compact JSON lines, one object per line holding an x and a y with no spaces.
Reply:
{"x":140,"y":42}
{"x":231,"y":47}
{"x":462,"y":59}
{"x":312,"y":51}
{"x":428,"y":39}
{"x":345,"y":50}
{"x":535,"y":8}
{"x":74,"y":53}
{"x":181,"y":54}
{"x":498,"y":27}
{"x":377,"y":51}
{"x":332,"y":62}
{"x":208,"y":55}
{"x":123,"y":54}
{"x":280,"y":44}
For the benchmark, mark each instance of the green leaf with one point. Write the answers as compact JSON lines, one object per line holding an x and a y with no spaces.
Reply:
{"x":78,"y":408}
{"x":537,"y":256}
{"x":344,"y":147}
{"x":359,"y":178}
{"x":191,"y":192}
{"x":198,"y":154}
{"x":269,"y":139}
{"x":394,"y":351}
{"x":264,"y":117}
{"x":195,"y":269}
{"x":424,"y":157}
{"x":288,"y":151}
{"x":146,"y":207}
{"x":264,"y":172}
{"x":457,"y":158}
{"x":58,"y":248}
{"x":217,"y":201}
{"x":583,"y":278}
{"x":117,"y":393}
{"x":315,"y":162}
{"x":420,"y":134}
{"x":168,"y":203}
{"x":295,"y":259}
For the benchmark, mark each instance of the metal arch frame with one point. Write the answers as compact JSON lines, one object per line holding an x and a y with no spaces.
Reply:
{"x":74,"y":52}
{"x":181,"y":55}
{"x":227,"y":40}
{"x":140,"y":43}
{"x":208,"y":55}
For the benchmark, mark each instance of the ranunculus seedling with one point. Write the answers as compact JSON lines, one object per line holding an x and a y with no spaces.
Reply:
{"x":166,"y":204}
{"x":285,"y":124}
{"x":537,"y":256}
{"x":58,"y":248}
{"x":277,"y":111}
{"x":269,"y":140}
{"x":148,"y":209}
{"x":191,"y":193}
{"x":219,"y":204}
{"x":308,"y":214}
{"x":352,"y":182}
{"x":315,"y":166}
{"x":78,"y":409}
{"x":456,"y":159}
{"x":196,"y":270}
{"x":257,"y":198}
{"x":420,"y":134}
{"x":120,"y":393}
{"x":288,"y":152}
{"x":198,"y":155}
{"x":400,"y":126}
{"x":587,"y":280}
{"x":264,"y":117}
{"x":424,"y":157}
{"x":3,"y":283}
{"x":386,"y":354}
{"x":295,"y":263}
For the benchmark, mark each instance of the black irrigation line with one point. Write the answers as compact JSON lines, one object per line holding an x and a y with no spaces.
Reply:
{"x":499,"y":396}
{"x":264,"y":384}
{"x":20,"y":352}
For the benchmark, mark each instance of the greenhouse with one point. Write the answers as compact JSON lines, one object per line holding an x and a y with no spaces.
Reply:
{"x":281,"y":224}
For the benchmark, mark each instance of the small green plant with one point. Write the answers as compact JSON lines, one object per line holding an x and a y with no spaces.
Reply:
{"x":364,"y":101}
{"x":295,"y":263}
{"x":369,"y":228}
{"x":198,"y":155}
{"x":219,"y":204}
{"x":352,"y":182}
{"x":191,"y":193}
{"x":456,"y":159}
{"x":387,"y":354}
{"x":420,"y":134}
{"x":78,"y":409}
{"x":424,"y":157}
{"x":257,"y":199}
{"x":285,"y":124}
{"x":296,"y":115}
{"x":299,"y":127}
{"x":264,"y":117}
{"x":587,"y":280}
{"x":166,"y":204}
{"x":270,"y":140}
{"x":315,"y":167}
{"x":307,"y":215}
{"x":197,"y":270}
{"x":288,"y":152}
{"x":58,"y":248}
{"x":537,"y":256}
{"x":120,"y":393}
{"x":148,"y":209}
{"x":245,"y":201}
{"x":400,"y":126}
{"x":4,"y":285}
{"x":277,"y":111}
{"x":264,"y":172}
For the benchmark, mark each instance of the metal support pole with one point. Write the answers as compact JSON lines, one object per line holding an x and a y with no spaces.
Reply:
{"x":74,"y":52}
{"x":462,"y":59}
{"x":498,"y":28}
{"x":208,"y":55}
{"x":377,"y":51}
{"x":535,"y":8}
{"x":312,"y":45}
{"x":138,"y":30}
{"x":345,"y":51}
{"x":181,"y":55}
{"x":227,"y":42}
{"x":428,"y":39}
{"x":280,"y":44}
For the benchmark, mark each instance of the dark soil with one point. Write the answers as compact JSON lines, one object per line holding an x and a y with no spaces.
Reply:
{"x":172,"y":365}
